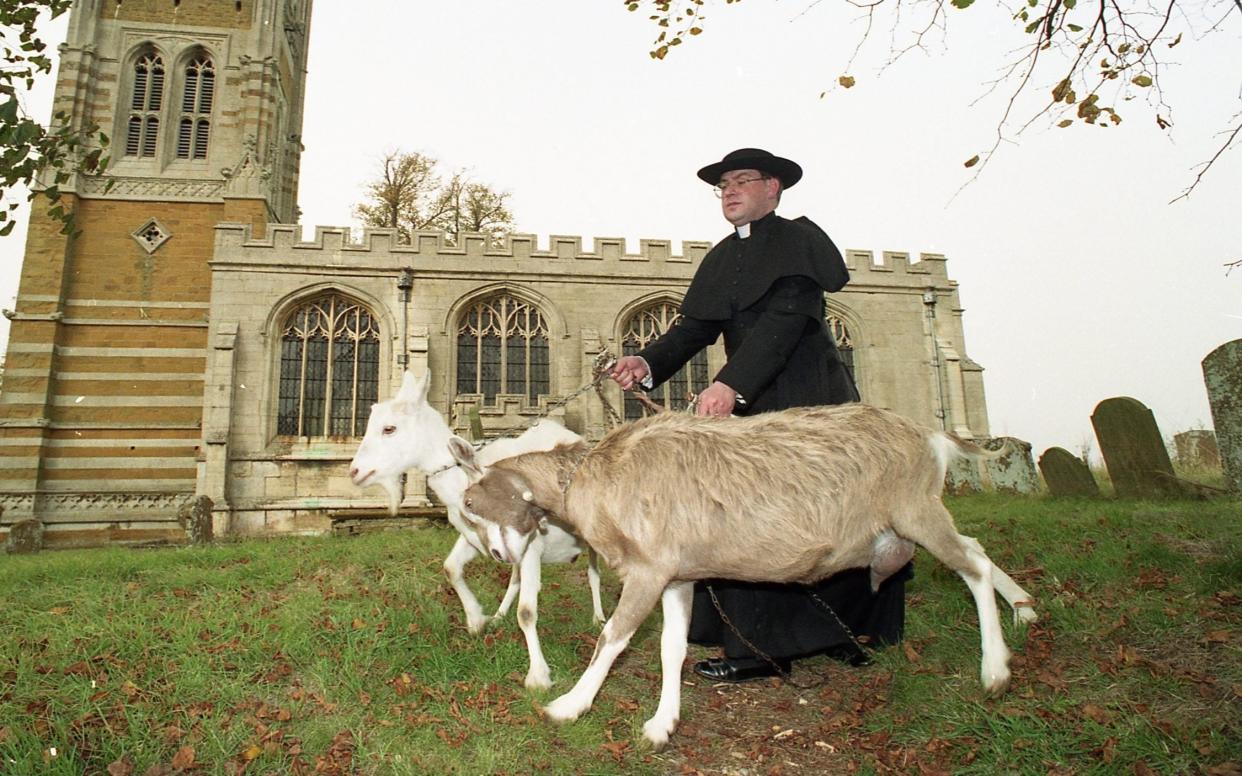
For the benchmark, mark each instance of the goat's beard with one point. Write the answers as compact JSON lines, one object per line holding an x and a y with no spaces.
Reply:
{"x":392,"y":486}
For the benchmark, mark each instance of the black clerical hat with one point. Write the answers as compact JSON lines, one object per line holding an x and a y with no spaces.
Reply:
{"x":788,"y":172}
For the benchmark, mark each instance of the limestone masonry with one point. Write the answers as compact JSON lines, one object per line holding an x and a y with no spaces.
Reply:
{"x":189,"y":343}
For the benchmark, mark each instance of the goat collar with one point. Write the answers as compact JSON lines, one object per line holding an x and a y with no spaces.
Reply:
{"x":476,"y":445}
{"x":569,"y":475}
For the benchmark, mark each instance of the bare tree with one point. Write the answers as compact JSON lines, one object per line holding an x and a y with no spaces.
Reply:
{"x":410,"y":195}
{"x":404,"y":196}
{"x":470,"y":206}
{"x":1091,"y":57}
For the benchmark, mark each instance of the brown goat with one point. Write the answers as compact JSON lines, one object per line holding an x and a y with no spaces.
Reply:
{"x":791,"y":496}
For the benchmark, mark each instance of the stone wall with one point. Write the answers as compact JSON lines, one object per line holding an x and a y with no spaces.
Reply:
{"x":264,"y":483}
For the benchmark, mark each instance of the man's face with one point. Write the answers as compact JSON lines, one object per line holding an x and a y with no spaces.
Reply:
{"x":747,"y":196}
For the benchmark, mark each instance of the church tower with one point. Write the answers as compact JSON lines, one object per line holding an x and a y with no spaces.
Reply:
{"x":102,"y":407}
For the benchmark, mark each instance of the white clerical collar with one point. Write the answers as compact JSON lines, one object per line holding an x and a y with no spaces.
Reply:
{"x":743,"y":231}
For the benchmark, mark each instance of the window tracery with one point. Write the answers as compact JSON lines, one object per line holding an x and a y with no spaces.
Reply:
{"x":845,"y":344}
{"x":502,"y":347}
{"x":645,"y":326}
{"x":329,"y":368}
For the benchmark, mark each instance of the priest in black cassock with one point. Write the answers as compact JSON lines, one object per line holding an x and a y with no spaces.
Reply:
{"x":762,"y":287}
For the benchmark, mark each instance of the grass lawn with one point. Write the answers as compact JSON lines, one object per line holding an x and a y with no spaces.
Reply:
{"x":349,"y":655}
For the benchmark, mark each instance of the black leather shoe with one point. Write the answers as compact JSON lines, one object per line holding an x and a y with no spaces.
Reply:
{"x":739,"y":669}
{"x":849,"y":654}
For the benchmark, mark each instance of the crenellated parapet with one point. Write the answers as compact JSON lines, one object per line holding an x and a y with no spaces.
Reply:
{"x":895,"y":268}
{"x":380,"y":247}
{"x":430,"y":249}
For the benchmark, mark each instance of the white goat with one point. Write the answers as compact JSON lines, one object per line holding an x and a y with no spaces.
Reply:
{"x":791,"y":496}
{"x":407,"y":433}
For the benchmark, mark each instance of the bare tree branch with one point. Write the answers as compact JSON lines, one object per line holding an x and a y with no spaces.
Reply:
{"x":1114,"y":55}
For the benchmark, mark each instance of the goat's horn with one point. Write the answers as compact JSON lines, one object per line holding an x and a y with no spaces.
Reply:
{"x":528,"y":496}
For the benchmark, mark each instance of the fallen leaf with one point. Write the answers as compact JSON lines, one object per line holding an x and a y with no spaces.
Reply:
{"x":184,"y":758}
{"x":616,"y":749}
{"x":120,"y":767}
{"x":1097,"y":714}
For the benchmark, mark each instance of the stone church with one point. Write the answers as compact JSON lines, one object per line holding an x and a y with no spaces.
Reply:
{"x":188,"y":342}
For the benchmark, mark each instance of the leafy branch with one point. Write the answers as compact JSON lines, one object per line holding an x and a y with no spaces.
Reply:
{"x":28,"y":149}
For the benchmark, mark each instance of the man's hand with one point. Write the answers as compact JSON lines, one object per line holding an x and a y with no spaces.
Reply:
{"x":629,"y":371}
{"x":717,"y":400}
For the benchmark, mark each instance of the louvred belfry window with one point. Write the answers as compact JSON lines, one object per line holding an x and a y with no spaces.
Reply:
{"x":329,"y":369}
{"x":645,"y":326}
{"x":502,"y":347}
{"x":146,"y":100}
{"x":194,"y":126}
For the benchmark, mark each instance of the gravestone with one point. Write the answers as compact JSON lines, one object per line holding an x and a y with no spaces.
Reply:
{"x":1066,"y":474}
{"x":25,"y":536}
{"x":1013,"y":472}
{"x":196,"y":519}
{"x":962,"y":477}
{"x":1222,"y":374}
{"x":1134,"y":452}
{"x":1197,"y":448}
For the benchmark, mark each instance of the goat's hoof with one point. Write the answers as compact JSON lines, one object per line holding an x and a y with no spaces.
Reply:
{"x":997,"y":685}
{"x":657,"y":733}
{"x":477,"y":625}
{"x":1024,"y":614}
{"x":563,"y":709}
{"x":538,"y":680}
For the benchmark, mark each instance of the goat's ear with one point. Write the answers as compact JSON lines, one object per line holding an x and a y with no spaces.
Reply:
{"x":413,"y":388}
{"x":463,"y":453}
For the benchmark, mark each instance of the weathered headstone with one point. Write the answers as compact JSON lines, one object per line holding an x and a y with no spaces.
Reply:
{"x":1066,"y":474}
{"x":1013,"y":472}
{"x":1134,"y":452}
{"x":196,"y":519}
{"x":25,"y":536}
{"x":1222,"y":373}
{"x":962,"y":477}
{"x":1197,"y":448}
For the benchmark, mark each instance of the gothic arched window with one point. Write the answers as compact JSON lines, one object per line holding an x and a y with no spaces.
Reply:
{"x":845,"y":344}
{"x":194,"y":126}
{"x":142,"y":128}
{"x":502,"y":347}
{"x":645,"y":326}
{"x":329,"y":368}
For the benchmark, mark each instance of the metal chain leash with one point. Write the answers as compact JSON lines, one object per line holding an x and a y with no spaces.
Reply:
{"x":785,"y":675}
{"x":602,"y":364}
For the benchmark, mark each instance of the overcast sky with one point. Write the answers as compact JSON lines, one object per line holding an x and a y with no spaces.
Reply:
{"x":1079,"y":280}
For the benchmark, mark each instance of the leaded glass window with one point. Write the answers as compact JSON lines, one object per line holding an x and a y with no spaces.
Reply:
{"x":645,"y":326}
{"x":146,"y":100}
{"x":845,"y":344}
{"x":502,"y":347}
{"x":194,"y":128}
{"x":329,"y":369}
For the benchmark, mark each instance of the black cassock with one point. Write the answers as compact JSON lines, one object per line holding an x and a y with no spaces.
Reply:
{"x":765,"y":294}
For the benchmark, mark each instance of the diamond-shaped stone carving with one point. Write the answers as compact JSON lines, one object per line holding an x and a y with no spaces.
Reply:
{"x":151,"y":235}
